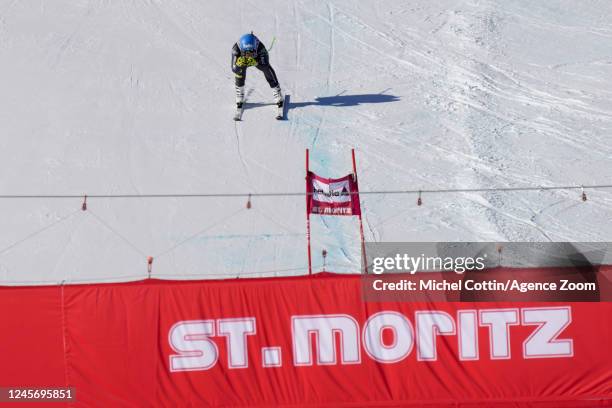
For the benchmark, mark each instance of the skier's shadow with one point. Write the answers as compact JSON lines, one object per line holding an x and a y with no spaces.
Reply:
{"x":346,"y":100}
{"x":339,"y":100}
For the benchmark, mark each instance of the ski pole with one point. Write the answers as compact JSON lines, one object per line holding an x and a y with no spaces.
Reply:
{"x":272,"y":44}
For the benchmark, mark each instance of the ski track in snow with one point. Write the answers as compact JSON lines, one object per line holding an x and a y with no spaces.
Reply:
{"x":136,"y":97}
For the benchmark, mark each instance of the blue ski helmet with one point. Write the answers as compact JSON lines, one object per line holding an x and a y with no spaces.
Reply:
{"x":248,"y":43}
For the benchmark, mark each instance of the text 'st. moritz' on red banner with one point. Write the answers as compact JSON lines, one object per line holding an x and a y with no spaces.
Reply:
{"x":301,"y":341}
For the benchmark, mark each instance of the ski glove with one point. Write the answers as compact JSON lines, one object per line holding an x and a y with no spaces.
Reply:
{"x":246,"y":62}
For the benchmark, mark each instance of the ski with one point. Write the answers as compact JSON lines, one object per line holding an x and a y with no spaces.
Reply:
{"x":239,"y":110}
{"x":280,"y":110}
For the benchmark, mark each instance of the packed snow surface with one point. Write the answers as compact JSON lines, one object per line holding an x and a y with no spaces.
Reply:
{"x":135,"y":97}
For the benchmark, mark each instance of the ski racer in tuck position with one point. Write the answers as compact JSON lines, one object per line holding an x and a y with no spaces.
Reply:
{"x":250,"y":52}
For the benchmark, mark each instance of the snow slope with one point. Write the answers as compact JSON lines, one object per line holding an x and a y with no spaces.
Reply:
{"x":135,"y":97}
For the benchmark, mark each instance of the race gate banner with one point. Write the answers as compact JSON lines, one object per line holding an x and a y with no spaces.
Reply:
{"x":332,"y":196}
{"x":300,"y":341}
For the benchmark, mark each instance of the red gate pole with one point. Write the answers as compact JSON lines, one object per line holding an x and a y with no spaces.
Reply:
{"x":363,"y":250}
{"x":308,"y":215}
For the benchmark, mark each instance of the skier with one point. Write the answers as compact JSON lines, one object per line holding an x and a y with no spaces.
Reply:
{"x":250,"y":52}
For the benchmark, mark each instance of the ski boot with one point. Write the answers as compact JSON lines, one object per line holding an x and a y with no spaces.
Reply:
{"x":277,"y":94}
{"x":278,"y":99}
{"x":239,"y":96}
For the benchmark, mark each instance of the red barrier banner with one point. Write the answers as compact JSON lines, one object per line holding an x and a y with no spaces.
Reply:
{"x":300,"y":341}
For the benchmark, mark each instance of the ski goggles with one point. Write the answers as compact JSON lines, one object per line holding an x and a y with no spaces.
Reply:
{"x":249,"y":54}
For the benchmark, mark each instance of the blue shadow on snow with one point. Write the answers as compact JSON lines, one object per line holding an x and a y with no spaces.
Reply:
{"x":337,"y":100}
{"x":346,"y":100}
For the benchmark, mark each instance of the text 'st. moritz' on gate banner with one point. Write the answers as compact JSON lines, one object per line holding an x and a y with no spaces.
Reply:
{"x":332,"y":196}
